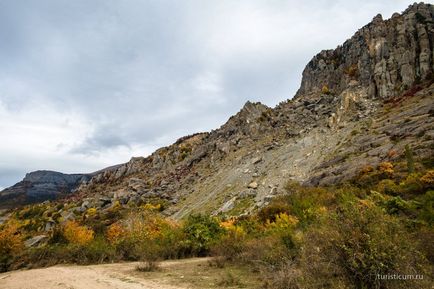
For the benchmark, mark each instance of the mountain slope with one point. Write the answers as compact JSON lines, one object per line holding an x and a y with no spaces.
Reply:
{"x":358,"y":105}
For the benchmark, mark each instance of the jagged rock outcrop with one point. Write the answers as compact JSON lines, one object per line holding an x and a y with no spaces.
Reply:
{"x":383,"y":59}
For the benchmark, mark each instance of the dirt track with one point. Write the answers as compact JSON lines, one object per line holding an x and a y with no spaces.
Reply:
{"x":108,"y":276}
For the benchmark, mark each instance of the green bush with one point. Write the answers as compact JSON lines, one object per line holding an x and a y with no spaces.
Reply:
{"x":426,"y":212}
{"x":270,"y":212}
{"x":201,"y":232}
{"x":358,"y":242}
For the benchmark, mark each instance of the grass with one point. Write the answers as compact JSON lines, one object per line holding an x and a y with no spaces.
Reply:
{"x":198,"y":274}
{"x":148,"y":266}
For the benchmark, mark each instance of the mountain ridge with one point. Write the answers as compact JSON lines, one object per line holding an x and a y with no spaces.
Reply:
{"x":356,"y":105}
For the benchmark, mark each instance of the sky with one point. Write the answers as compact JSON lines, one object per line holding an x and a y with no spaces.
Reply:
{"x":89,"y":84}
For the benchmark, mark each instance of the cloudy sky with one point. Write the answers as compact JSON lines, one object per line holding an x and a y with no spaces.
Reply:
{"x":88,"y":84}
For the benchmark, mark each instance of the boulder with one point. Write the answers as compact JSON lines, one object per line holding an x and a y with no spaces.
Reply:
{"x":35,"y":241}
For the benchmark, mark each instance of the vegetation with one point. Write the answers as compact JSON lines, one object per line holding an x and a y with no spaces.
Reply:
{"x":345,"y":236}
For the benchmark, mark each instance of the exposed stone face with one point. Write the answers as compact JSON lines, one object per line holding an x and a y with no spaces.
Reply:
{"x":384,"y":58}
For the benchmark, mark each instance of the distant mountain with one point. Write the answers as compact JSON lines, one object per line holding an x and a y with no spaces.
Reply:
{"x":40,"y":186}
{"x":43,"y":185}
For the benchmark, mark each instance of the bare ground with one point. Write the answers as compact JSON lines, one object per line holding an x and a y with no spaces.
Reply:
{"x":181,"y":274}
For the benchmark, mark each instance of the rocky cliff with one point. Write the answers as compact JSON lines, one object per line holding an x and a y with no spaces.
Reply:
{"x":358,"y":105}
{"x":382,"y":60}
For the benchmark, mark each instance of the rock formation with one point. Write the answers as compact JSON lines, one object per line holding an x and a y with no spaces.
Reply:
{"x":358,"y":105}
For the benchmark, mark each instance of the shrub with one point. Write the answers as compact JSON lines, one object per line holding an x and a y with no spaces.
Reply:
{"x":395,"y":205}
{"x":409,"y":158}
{"x":91,"y":212}
{"x":308,"y":204}
{"x":115,"y":233}
{"x":265,"y":253}
{"x":426,"y":212}
{"x":201,"y":232}
{"x":269,"y":213}
{"x":428,"y":179}
{"x":11,"y":242}
{"x":412,"y":184}
{"x":388,"y":186}
{"x":366,"y":169}
{"x":325,"y":90}
{"x":231,"y":244}
{"x":148,"y":266}
{"x":357,"y":243}
{"x":283,"y":223}
{"x":386,"y":168}
{"x":77,"y":234}
{"x":97,"y":250}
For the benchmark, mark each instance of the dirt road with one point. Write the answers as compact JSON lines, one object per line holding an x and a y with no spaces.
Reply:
{"x":107,"y":276}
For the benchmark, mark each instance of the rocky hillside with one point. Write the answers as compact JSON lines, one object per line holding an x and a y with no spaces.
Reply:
{"x":358,"y":105}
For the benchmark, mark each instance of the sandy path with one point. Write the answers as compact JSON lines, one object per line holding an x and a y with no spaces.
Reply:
{"x":107,"y":276}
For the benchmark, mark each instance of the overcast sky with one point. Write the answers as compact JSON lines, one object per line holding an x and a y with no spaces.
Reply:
{"x":88,"y":84}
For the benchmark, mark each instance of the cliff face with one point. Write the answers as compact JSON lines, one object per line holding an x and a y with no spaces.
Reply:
{"x":40,"y":186}
{"x":382,"y":60}
{"x":358,"y":105}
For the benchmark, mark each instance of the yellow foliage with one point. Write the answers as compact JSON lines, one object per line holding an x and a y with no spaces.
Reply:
{"x":146,"y":226}
{"x":367,"y":169}
{"x":386,"y":167}
{"x":77,"y":234}
{"x":11,"y":240}
{"x":151,"y":207}
{"x":91,"y":212}
{"x":232,"y":229}
{"x":116,"y":206}
{"x":325,"y":90}
{"x":283,"y":221}
{"x":227,"y":224}
{"x":366,"y":203}
{"x":428,"y":178}
{"x":115,"y":233}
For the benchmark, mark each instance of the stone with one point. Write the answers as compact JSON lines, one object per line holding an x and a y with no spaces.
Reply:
{"x":35,"y":241}
{"x":67,"y":216}
{"x":253,"y":185}
{"x":105,"y":200}
{"x":85,"y":204}
{"x":49,"y":226}
{"x":256,"y":160}
{"x":229,"y":205}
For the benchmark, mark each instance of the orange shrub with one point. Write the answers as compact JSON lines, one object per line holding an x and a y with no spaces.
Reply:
{"x":11,"y":240}
{"x":386,"y":168}
{"x":366,"y":169}
{"x":115,"y":233}
{"x":145,"y":226}
{"x":392,"y":153}
{"x":77,"y":234}
{"x":428,"y":178}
